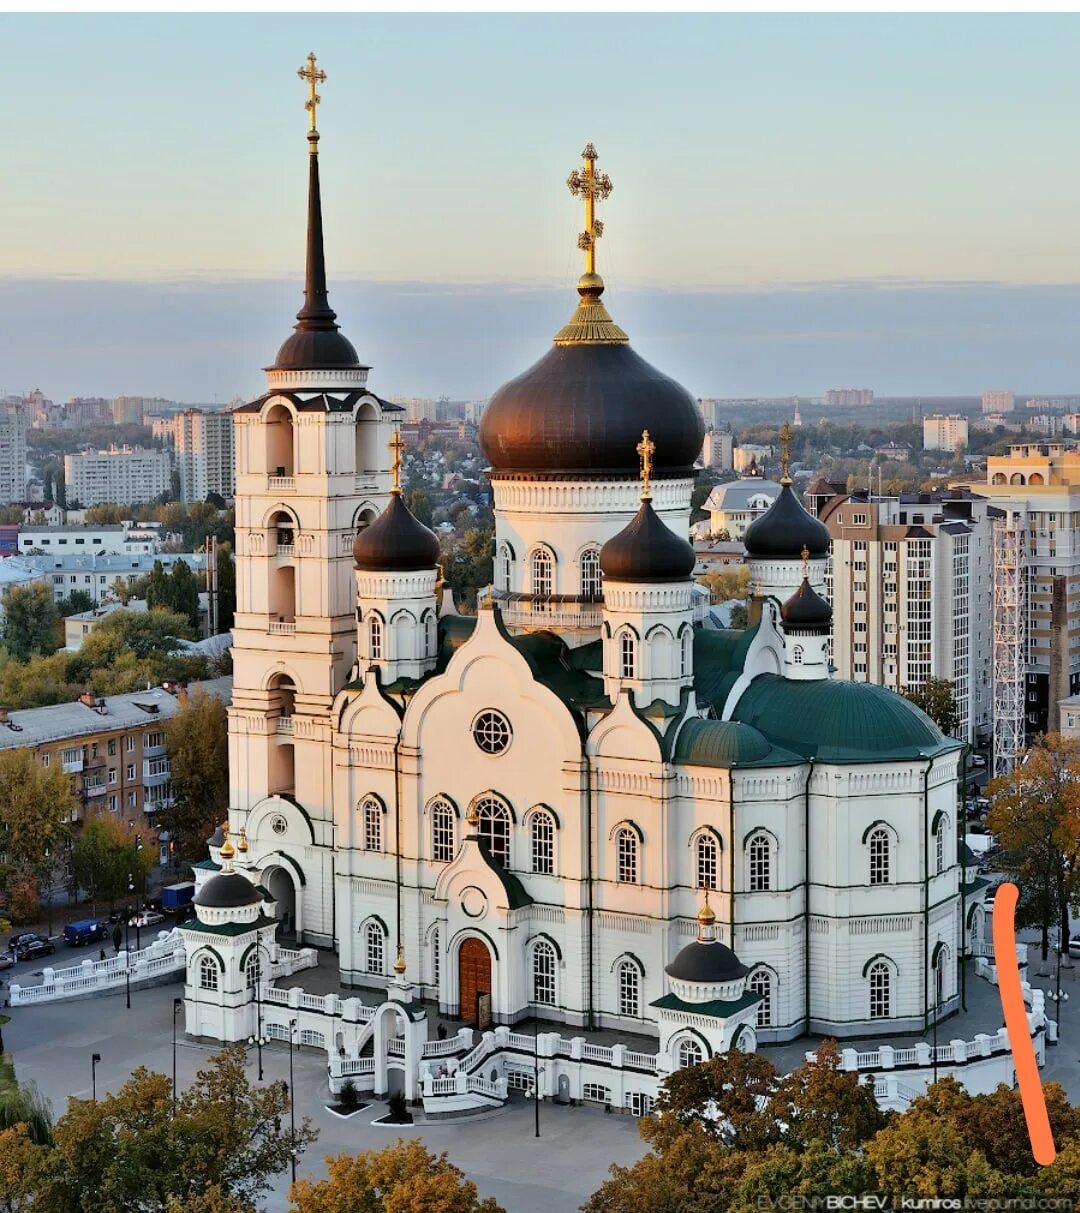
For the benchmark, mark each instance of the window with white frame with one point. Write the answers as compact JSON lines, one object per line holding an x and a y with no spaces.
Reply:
{"x":797,"y":654}
{"x":590,"y":573}
{"x":626,"y":856}
{"x":208,"y":974}
{"x":627,"y":654}
{"x":689,"y":1053}
{"x":880,"y":845}
{"x":252,"y":970}
{"x":542,"y":573}
{"x":372,"y":819}
{"x":759,"y":854}
{"x":506,"y":566}
{"x":435,"y":957}
{"x":940,"y":844}
{"x":375,"y":638}
{"x":374,"y":948}
{"x":493,"y":827}
{"x":879,"y":980}
{"x":629,"y":990}
{"x":431,"y":634}
{"x":706,"y":861}
{"x":761,"y":983}
{"x":442,"y":832}
{"x":542,"y":838}
{"x":543,"y":973}
{"x":686,"y":654}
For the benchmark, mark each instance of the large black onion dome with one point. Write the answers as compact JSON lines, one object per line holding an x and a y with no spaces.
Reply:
{"x":706,"y":961}
{"x":582,"y":408}
{"x":396,"y":542}
{"x":647,"y":549}
{"x":227,"y":891}
{"x":806,"y":608}
{"x":316,"y":349}
{"x":785,"y":529}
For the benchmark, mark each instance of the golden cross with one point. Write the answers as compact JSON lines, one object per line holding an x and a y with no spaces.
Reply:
{"x":805,"y":554}
{"x":397,"y":445}
{"x":785,"y":452}
{"x":313,"y":76}
{"x":590,"y":185}
{"x":646,"y":448}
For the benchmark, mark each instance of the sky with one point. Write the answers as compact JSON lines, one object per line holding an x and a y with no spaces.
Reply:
{"x":800,"y":201}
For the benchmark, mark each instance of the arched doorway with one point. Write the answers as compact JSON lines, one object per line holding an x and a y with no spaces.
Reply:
{"x":474,"y":978}
{"x":280,"y":886}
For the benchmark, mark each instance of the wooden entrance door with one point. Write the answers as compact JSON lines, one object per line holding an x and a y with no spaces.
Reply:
{"x":474,"y":977}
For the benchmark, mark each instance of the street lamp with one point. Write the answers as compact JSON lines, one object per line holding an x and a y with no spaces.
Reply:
{"x":536,"y":1073}
{"x":177,"y":1003}
{"x":937,"y":1011}
{"x":94,"y":1059}
{"x":127,"y":976}
{"x":258,"y":1038}
{"x":293,"y":1024}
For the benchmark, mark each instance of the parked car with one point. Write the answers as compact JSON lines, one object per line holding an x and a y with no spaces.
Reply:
{"x":6,"y":960}
{"x":1074,"y":946}
{"x":978,"y":760}
{"x":31,"y":949}
{"x":21,"y":937}
{"x":87,"y":930}
{"x":148,"y":918}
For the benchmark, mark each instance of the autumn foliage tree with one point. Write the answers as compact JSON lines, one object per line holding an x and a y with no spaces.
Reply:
{"x":197,"y":742}
{"x":36,"y":803}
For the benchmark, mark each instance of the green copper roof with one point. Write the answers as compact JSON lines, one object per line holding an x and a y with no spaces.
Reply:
{"x":718,"y":1008}
{"x":228,"y":928}
{"x":727,"y":743}
{"x":836,"y":721}
{"x":719,"y":657}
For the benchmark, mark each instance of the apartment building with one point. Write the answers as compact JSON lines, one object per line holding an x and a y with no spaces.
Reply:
{"x":998,"y":402}
{"x":121,"y":475}
{"x":97,"y":575}
{"x":847,"y":396}
{"x":944,"y":432}
{"x":13,"y":424}
{"x":114,"y":750}
{"x":910,"y":581}
{"x":1039,"y":485}
{"x":203,"y":447}
{"x":718,"y":449}
{"x":121,"y":539}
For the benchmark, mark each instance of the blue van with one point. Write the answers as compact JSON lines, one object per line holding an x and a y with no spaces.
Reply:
{"x":89,"y":930}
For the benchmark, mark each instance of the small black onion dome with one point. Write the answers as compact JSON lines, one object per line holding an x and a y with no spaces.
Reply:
{"x":227,"y":891}
{"x":316,"y":349}
{"x":785,"y":529}
{"x":647,"y":549}
{"x":806,"y":608}
{"x":396,"y":542}
{"x":706,"y":961}
{"x":583,"y":407}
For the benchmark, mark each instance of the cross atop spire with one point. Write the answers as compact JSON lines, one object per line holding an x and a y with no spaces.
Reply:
{"x":785,"y":452}
{"x":805,"y":554}
{"x":591,"y":186}
{"x":646,"y":449}
{"x":397,"y":445}
{"x":314,"y":76}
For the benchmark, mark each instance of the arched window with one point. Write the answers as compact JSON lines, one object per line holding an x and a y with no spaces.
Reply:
{"x":626,"y":856}
{"x":939,"y":841}
{"x":543,"y":973}
{"x":431,"y":634}
{"x":706,"y":861}
{"x":493,"y":826}
{"x":252,"y":970}
{"x":797,"y":654}
{"x":761,"y":982}
{"x":373,"y":815}
{"x":686,"y":657}
{"x":442,"y":832}
{"x":689,"y":1053}
{"x":759,"y":854}
{"x":879,"y":979}
{"x":542,"y":838}
{"x":542,"y":573}
{"x":627,"y":655}
{"x":590,"y":573}
{"x":880,"y":845}
{"x":375,"y":638}
{"x":506,"y":566}
{"x":374,"y":948}
{"x":629,"y":990}
{"x":208,"y":974}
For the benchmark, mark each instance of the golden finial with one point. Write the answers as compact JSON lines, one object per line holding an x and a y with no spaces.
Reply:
{"x":785,"y":452}
{"x":242,"y":844}
{"x":399,"y":964}
{"x":590,"y":323}
{"x":397,"y":445}
{"x":313,"y":76}
{"x":706,"y":920}
{"x":472,"y":817}
{"x":646,"y":448}
{"x":805,"y":554}
{"x":226,"y":850}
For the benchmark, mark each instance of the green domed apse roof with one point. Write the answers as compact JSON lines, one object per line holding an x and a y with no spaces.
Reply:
{"x":727,"y":743}
{"x":836,"y":721}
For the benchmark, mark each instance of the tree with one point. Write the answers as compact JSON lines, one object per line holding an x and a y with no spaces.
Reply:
{"x":30,"y":619}
{"x":402,"y":1178}
{"x":725,"y":584}
{"x":226,"y":588}
{"x":1035,"y":815}
{"x":820,"y":1102}
{"x":420,"y":506}
{"x":937,"y":699}
{"x":196,"y":740}
{"x":75,"y":603}
{"x":739,"y":617}
{"x":102,"y":856}
{"x":106,"y":515}
{"x":221,"y":1145}
{"x":468,"y":564}
{"x":184,"y":592}
{"x":20,"y":1166}
{"x":158,"y":589}
{"x":36,"y":802}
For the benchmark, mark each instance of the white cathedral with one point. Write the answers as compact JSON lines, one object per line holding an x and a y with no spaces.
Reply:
{"x":526,"y":805}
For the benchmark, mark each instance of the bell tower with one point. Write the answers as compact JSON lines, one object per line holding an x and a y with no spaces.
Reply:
{"x":311,"y":471}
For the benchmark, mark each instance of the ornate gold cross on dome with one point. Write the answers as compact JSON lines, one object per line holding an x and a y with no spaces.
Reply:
{"x":646,"y":448}
{"x":313,"y":76}
{"x":785,"y":452}
{"x":805,"y":554}
{"x":397,"y":445}
{"x":590,"y":185}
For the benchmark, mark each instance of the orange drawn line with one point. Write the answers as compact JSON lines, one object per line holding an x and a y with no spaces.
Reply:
{"x":1016,"y":1024}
